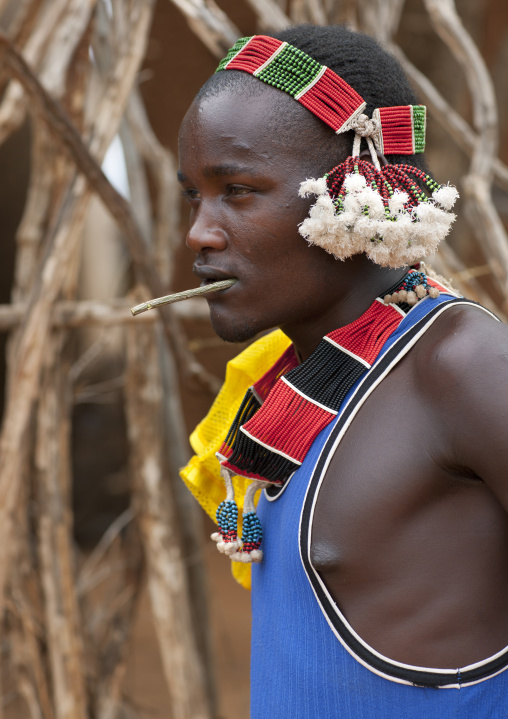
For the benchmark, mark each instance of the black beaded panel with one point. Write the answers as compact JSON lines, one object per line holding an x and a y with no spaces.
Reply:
{"x":250,"y":457}
{"x":248,"y":408}
{"x":327,"y":376}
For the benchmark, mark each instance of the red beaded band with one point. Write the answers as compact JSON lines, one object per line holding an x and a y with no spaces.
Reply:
{"x":400,"y":131}
{"x":333,"y":101}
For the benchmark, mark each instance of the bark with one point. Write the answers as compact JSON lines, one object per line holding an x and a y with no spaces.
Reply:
{"x":59,"y":250}
{"x":62,"y":620}
{"x":157,"y":518}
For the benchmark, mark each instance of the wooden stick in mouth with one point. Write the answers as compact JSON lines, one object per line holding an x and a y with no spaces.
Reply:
{"x":179,"y":296}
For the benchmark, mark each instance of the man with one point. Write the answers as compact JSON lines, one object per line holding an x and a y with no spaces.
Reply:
{"x":380,"y":433}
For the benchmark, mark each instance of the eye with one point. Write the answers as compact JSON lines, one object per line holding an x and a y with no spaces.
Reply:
{"x":191,"y":194}
{"x":239,"y":190}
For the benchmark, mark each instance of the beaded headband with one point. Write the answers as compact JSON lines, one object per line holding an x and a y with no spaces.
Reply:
{"x":395,"y":214}
{"x":395,"y":130}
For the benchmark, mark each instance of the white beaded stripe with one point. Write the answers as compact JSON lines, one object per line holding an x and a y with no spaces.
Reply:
{"x":267,"y":446}
{"x":309,"y":399}
{"x":312,"y":83}
{"x":239,"y":51}
{"x":412,"y":130}
{"x":347,"y":125}
{"x":348,"y":352}
{"x":270,"y":59}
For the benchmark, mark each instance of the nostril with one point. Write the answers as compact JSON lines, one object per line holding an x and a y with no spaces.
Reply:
{"x":207,"y":238}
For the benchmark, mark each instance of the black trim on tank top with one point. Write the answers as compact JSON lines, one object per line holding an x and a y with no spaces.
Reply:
{"x":366,"y":655}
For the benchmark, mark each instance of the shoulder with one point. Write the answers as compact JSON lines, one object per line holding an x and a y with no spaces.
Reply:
{"x":463,"y":344}
{"x":462,"y":372}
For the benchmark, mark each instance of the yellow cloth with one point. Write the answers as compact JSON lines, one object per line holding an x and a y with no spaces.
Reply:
{"x":202,"y":474}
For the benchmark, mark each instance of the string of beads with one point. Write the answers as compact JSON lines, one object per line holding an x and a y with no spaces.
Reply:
{"x":385,"y":181}
{"x":413,"y":288}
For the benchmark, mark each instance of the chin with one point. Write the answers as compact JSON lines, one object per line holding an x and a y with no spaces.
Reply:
{"x":234,"y":332}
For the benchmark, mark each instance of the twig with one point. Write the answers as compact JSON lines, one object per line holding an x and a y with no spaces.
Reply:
{"x":63,"y":129}
{"x":105,"y":543}
{"x":180,"y":296}
{"x":210,"y":24}
{"x":32,"y":338}
{"x":447,"y":116}
{"x":485,"y":221}
{"x":157,"y":519}
{"x":270,"y":15}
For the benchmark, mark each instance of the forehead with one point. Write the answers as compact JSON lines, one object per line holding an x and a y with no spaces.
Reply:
{"x":242,"y":123}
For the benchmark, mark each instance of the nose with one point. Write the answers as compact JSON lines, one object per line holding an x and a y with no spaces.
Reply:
{"x":205,"y":232}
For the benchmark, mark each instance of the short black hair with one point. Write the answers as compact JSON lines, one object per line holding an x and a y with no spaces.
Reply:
{"x":356,"y":57}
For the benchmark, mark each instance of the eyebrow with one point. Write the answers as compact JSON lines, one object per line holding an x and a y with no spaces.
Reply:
{"x":225,"y":170}
{"x":222,"y":171}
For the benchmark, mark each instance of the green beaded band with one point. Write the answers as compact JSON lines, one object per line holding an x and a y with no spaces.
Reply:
{"x":239,"y":44}
{"x":396,"y":130}
{"x":419,"y":125}
{"x":291,"y":71}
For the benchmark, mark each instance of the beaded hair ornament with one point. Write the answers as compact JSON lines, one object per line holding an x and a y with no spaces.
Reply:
{"x":395,"y":214}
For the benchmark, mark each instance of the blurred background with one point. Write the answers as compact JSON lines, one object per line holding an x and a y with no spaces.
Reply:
{"x":115,"y":605}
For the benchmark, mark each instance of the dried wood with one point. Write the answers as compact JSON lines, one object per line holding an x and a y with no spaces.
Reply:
{"x":66,"y":651}
{"x":449,"y":264}
{"x":93,"y":313}
{"x":162,"y":166}
{"x":22,"y":24}
{"x":270,"y":14}
{"x":480,"y":209}
{"x":117,"y":622}
{"x":25,"y":616}
{"x":167,"y":577}
{"x":316,"y":12}
{"x":210,"y":24}
{"x":299,"y":12}
{"x":59,"y":250}
{"x":91,"y":565}
{"x":14,"y":103}
{"x":446,"y":115}
{"x":27,"y":659}
{"x":63,"y":129}
{"x":32,"y":225}
{"x":380,"y":18}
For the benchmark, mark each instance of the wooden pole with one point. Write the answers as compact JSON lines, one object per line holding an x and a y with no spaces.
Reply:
{"x":158,"y":522}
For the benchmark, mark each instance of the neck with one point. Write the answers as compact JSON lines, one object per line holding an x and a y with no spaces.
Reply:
{"x":353,"y":300}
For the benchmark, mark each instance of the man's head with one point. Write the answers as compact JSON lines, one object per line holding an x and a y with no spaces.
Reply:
{"x":245,"y":148}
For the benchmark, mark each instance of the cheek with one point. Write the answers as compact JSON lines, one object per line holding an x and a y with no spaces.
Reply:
{"x":270,"y":229}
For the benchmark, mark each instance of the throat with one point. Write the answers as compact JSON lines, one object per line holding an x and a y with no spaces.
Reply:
{"x":306,"y":334}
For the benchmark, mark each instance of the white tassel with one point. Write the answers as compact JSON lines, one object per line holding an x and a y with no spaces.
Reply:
{"x":446,"y":196}
{"x":403,"y":239}
{"x":313,"y":187}
{"x":397,"y":201}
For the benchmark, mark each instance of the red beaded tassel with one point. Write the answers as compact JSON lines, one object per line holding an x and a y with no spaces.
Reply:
{"x":396,"y":214}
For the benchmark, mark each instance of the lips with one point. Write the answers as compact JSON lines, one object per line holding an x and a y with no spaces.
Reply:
{"x":212,"y":274}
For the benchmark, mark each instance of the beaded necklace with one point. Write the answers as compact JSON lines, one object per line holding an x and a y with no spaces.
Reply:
{"x":284,"y":411}
{"x":395,"y":214}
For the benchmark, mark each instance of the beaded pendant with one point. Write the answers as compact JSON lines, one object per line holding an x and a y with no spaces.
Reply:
{"x":396,"y":214}
{"x":246,"y":549}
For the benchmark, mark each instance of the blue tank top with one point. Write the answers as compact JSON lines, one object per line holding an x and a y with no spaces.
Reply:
{"x":306,"y":661}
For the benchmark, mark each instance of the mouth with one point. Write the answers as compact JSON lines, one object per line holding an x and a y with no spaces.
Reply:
{"x":209,"y":275}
